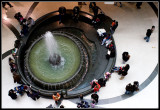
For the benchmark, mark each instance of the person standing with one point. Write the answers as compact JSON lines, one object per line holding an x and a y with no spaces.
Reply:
{"x":56,"y":97}
{"x":95,"y":11}
{"x":95,"y":97}
{"x":4,"y":4}
{"x":115,"y":3}
{"x":129,"y":89}
{"x":12,"y":94}
{"x":125,"y":56}
{"x":30,"y":22}
{"x":138,"y":5}
{"x":76,"y":10}
{"x":123,"y":71}
{"x":148,"y":34}
{"x":81,"y":97}
{"x":62,"y":12}
{"x":61,"y":106}
{"x":96,"y":87}
{"x":17,"y":43}
{"x":111,"y":53}
{"x":113,"y":27}
{"x":17,"y":78}
{"x":113,"y":23}
{"x":92,"y":4}
{"x":136,"y":85}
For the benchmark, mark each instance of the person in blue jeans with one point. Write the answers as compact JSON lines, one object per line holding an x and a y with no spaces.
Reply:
{"x":129,"y":89}
{"x":148,"y":34}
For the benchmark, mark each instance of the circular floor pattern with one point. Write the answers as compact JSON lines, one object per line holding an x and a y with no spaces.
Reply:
{"x":155,"y":71}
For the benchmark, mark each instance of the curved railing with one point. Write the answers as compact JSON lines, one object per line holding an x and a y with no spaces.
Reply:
{"x":18,"y":60}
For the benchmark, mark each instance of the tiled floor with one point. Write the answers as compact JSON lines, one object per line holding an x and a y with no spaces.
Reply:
{"x":129,"y":35}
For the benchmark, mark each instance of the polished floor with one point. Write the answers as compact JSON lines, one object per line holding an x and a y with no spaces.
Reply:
{"x":129,"y":35}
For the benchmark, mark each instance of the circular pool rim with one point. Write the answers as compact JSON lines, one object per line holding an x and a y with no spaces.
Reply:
{"x":62,"y":83}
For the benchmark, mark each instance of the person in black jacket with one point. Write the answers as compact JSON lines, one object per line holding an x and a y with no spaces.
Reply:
{"x":62,"y":12}
{"x":129,"y":89}
{"x":34,"y":95}
{"x":4,"y":4}
{"x":126,"y":67}
{"x":12,"y":94}
{"x":125,"y":56}
{"x":76,"y":13}
{"x":123,"y":71}
{"x":92,"y":4}
{"x":132,"y":88}
{"x":102,"y":82}
{"x":138,"y":5}
{"x":95,"y":11}
{"x":95,"y":97}
{"x":148,"y":34}
{"x":17,"y":43}
{"x":136,"y":85}
{"x":81,"y":97}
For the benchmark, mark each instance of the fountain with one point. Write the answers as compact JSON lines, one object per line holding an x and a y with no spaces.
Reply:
{"x":54,"y":56}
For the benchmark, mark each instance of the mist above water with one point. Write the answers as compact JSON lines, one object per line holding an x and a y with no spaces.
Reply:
{"x":51,"y":44}
{"x":54,"y":55}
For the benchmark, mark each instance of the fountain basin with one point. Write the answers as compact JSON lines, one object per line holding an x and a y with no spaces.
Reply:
{"x":63,"y":76}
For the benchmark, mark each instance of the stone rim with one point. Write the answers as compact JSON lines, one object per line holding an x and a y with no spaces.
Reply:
{"x":53,"y":85}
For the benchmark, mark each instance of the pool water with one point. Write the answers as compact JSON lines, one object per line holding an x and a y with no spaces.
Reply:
{"x":44,"y":71}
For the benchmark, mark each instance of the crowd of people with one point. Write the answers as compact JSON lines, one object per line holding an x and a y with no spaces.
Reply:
{"x":21,"y":89}
{"x":26,"y":24}
{"x":105,"y":38}
{"x":84,"y":104}
{"x":132,"y":88}
{"x":95,"y":86}
{"x":75,"y":16}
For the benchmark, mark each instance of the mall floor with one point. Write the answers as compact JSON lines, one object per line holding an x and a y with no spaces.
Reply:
{"x":129,"y":36}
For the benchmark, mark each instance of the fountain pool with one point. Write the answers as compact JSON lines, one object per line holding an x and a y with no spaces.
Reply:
{"x":41,"y":67}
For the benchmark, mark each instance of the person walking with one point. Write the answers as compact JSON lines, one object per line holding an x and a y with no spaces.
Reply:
{"x":148,"y":34}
